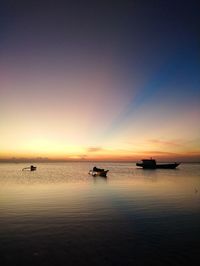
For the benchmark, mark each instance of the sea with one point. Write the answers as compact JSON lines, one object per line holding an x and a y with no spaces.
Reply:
{"x":60,"y":215}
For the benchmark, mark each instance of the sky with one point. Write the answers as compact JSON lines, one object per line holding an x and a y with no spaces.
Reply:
{"x":89,"y":80}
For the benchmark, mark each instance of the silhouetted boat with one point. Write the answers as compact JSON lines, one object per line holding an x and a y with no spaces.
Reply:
{"x":31,"y":168}
{"x":151,"y":164}
{"x":98,"y":172}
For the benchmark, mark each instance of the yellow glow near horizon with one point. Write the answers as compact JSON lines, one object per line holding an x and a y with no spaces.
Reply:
{"x":79,"y":120}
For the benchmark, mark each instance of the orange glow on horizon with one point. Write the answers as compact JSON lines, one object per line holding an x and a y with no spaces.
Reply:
{"x":101,"y":155}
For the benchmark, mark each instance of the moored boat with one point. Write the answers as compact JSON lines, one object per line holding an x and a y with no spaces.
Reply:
{"x":98,"y":172}
{"x":31,"y":168}
{"x":152,"y":164}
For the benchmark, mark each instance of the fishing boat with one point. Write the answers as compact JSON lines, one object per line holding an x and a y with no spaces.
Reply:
{"x":98,"y":172}
{"x":152,"y":164}
{"x":30,"y":168}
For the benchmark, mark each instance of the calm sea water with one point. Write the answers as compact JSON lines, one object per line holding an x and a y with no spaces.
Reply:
{"x":59,"y":215}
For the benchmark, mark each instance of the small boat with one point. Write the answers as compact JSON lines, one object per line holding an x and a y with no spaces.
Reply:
{"x":98,"y":172}
{"x":31,"y":168}
{"x":152,"y":164}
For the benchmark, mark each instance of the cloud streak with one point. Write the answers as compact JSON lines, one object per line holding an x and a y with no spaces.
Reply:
{"x":94,"y":149}
{"x":173,"y":143}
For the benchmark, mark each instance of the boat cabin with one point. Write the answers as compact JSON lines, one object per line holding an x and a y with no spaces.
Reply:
{"x":149,"y":163}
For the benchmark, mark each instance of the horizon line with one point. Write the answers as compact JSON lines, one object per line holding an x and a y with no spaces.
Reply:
{"x":36,"y":160}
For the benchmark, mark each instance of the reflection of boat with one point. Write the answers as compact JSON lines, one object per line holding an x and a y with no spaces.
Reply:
{"x":31,"y":168}
{"x":151,"y":164}
{"x":98,"y":172}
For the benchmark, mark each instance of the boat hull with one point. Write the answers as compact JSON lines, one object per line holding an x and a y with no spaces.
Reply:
{"x":159,"y":166}
{"x":98,"y":173}
{"x":167,"y":166}
{"x":30,"y":168}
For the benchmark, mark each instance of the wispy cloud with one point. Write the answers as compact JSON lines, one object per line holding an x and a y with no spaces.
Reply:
{"x":83,"y":157}
{"x":174,"y":143}
{"x":94,"y":149}
{"x":156,"y":152}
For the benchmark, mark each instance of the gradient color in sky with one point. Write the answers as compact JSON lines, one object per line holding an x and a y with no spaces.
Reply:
{"x":99,"y":80}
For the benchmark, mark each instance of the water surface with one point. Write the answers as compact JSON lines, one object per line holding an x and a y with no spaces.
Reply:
{"x":60,"y":215}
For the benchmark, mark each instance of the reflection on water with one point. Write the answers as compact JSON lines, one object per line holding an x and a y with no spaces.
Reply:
{"x":60,"y":215}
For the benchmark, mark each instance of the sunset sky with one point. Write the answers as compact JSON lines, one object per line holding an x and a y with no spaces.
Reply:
{"x":89,"y":80}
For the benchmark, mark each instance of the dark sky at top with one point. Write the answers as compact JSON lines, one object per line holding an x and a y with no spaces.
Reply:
{"x":131,"y":29}
{"x":142,"y":38}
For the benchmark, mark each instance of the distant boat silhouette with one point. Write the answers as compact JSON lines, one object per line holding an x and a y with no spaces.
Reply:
{"x":98,"y":172}
{"x":151,"y":164}
{"x":31,"y":168}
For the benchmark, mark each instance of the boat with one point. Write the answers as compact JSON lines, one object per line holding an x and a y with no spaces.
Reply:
{"x":98,"y":172}
{"x":31,"y":168}
{"x":152,"y":164}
